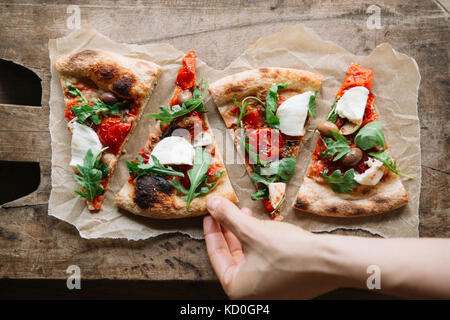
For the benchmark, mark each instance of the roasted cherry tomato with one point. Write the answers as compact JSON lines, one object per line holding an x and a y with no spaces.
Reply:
{"x":112,"y":132}
{"x":356,"y":76}
{"x":97,"y":202}
{"x":145,"y":155}
{"x":266,"y":142}
{"x":268,"y":205}
{"x":254,"y":118}
{"x":174,"y":99}
{"x":69,"y":113}
{"x":186,"y":75}
{"x":369,"y":114}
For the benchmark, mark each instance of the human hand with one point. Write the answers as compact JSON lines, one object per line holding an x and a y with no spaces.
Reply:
{"x":256,"y":259}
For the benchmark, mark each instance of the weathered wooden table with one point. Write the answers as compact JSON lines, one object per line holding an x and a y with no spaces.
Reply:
{"x":36,"y":246}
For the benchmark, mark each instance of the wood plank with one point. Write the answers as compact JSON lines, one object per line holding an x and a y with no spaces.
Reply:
{"x":34,"y":245}
{"x":16,"y":118}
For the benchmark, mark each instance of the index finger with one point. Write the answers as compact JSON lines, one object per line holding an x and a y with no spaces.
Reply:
{"x":217,"y":247}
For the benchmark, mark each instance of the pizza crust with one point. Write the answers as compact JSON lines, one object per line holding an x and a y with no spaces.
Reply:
{"x":319,"y":198}
{"x":247,"y":83}
{"x":126,"y":77}
{"x":172,"y":206}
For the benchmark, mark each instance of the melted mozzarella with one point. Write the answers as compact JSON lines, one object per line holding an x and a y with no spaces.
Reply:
{"x":276,"y":193}
{"x":174,"y":150}
{"x":372,"y":175}
{"x":83,"y":139}
{"x":292,"y":114}
{"x":352,"y":104}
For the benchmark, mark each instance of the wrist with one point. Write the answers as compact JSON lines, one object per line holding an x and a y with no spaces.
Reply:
{"x":332,"y":261}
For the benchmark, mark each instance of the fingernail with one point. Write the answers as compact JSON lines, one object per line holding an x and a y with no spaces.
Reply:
{"x":212,"y":203}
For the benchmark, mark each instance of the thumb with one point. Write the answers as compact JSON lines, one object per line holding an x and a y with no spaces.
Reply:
{"x":230,"y":216}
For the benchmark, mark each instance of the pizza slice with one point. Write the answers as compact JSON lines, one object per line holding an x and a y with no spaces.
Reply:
{"x":104,"y":94}
{"x":266,"y":111}
{"x":351,"y":172}
{"x":179,"y":167}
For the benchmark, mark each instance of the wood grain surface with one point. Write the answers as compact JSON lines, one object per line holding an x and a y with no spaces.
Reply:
{"x":36,"y":246}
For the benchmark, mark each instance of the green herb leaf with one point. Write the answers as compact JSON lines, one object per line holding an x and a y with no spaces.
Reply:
{"x":388,"y":162}
{"x":281,"y":170}
{"x":341,"y":183}
{"x":179,"y":187}
{"x":104,"y":169}
{"x":370,"y":136}
{"x":242,"y":110}
{"x":271,"y":105}
{"x":339,"y":146}
{"x":262,"y":193}
{"x":208,"y":187}
{"x":84,"y":111}
{"x":257,"y":178}
{"x":75,"y":92}
{"x":202,"y":161}
{"x":332,"y":116}
{"x":312,"y":105}
{"x":168,"y":114}
{"x":90,"y":175}
{"x":140,"y":168}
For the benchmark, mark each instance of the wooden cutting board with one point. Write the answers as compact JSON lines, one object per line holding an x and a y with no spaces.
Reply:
{"x":34,"y":245}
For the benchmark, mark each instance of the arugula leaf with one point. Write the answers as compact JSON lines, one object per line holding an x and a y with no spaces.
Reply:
{"x":271,"y":105}
{"x":286,"y":168}
{"x":312,"y":105}
{"x":140,"y":168}
{"x":197,"y":176}
{"x":388,"y":162}
{"x":341,"y":183}
{"x":90,"y":176}
{"x":370,"y":136}
{"x":202,"y":161}
{"x":260,"y":194}
{"x":332,"y":116}
{"x":257,"y":178}
{"x":75,"y":92}
{"x":113,"y":109}
{"x":207,"y":188}
{"x":179,"y":187}
{"x":82,"y":111}
{"x":168,"y":114}
{"x":85,"y":111}
{"x":281,"y":170}
{"x":340,"y":146}
{"x":242,"y":110}
{"x":105,"y":170}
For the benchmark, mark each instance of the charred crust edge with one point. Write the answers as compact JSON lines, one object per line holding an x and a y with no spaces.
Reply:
{"x":124,"y":84}
{"x":150,"y":189}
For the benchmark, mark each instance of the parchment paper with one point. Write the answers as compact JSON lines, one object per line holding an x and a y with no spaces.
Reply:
{"x":396,"y":82}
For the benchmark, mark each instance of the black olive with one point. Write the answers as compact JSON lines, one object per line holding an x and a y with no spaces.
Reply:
{"x":109,"y":98}
{"x":325,"y":128}
{"x":352,"y":158}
